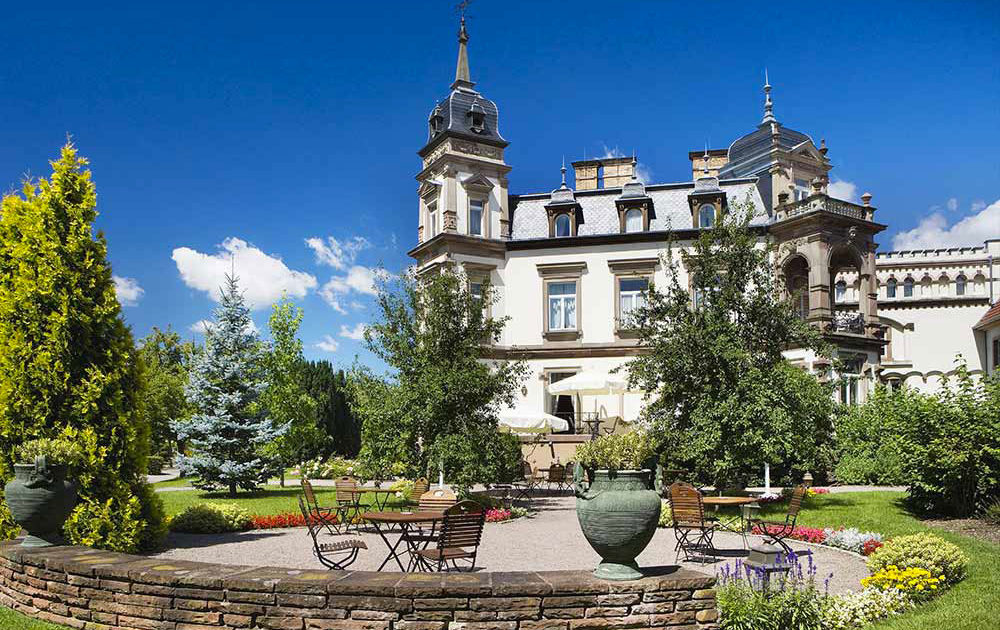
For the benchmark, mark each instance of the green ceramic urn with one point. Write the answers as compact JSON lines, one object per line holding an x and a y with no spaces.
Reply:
{"x":618,"y":512}
{"x":40,"y":499}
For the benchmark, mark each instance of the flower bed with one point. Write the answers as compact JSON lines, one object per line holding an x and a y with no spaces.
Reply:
{"x":501,"y":515}
{"x":849,"y":539}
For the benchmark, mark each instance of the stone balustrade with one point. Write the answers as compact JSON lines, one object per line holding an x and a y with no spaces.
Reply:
{"x":101,"y":590}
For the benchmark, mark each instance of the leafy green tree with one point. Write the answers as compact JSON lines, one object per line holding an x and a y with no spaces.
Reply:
{"x":229,"y":429}
{"x":285,"y":397}
{"x":68,"y":366}
{"x":721,"y":399}
{"x":165,"y":358}
{"x":328,"y":387}
{"x":442,"y":399}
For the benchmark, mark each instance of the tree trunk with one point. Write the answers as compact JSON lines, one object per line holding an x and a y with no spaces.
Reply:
{"x":282,"y":480}
{"x":232,"y":490}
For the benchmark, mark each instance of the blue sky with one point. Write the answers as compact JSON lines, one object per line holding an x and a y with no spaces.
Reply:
{"x":252,"y":127}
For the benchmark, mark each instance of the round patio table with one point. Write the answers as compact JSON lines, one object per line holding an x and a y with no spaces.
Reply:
{"x":735,"y":525}
{"x":384,"y":522}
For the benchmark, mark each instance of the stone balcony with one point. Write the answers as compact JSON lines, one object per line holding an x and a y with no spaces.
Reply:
{"x":821,"y":202}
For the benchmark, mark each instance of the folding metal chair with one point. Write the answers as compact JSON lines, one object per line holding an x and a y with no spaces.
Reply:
{"x":325,"y":516}
{"x":347,"y":550}
{"x":461,"y":533}
{"x":693,"y":531}
{"x":778,"y":531}
{"x":348,"y":502}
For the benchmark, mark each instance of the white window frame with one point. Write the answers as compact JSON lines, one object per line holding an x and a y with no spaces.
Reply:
{"x":701,"y":210}
{"x":569,"y":225}
{"x":638,"y":219}
{"x":636,"y":296}
{"x":563,"y":300}
{"x":482,"y":214}
{"x":432,"y":219}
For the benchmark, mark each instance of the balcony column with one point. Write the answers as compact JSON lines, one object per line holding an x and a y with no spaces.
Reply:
{"x":868,"y":300}
{"x":820,"y":302}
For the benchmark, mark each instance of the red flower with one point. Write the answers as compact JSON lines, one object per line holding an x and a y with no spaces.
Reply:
{"x":870,"y":546}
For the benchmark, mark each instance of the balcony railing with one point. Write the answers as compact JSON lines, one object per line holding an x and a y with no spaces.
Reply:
{"x":824,"y":203}
{"x":849,"y":322}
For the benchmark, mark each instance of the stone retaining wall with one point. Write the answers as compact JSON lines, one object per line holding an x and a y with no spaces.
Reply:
{"x":101,"y":590}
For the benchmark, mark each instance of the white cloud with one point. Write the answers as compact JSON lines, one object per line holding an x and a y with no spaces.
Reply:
{"x":262,"y":278}
{"x":840,"y":189}
{"x":336,"y":254}
{"x":358,"y":279}
{"x":933,"y":231}
{"x":952,"y":204}
{"x":328,"y":344}
{"x":357,"y":333}
{"x":202,"y":326}
{"x":128,"y":290}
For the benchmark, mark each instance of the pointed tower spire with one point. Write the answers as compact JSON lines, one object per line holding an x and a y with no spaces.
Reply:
{"x":704,"y":158}
{"x":768,"y":105}
{"x":563,"y":169}
{"x":635,"y":167}
{"x":462,"y":67}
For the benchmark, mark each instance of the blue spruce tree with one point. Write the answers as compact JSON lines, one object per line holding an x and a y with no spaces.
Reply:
{"x":229,"y":427}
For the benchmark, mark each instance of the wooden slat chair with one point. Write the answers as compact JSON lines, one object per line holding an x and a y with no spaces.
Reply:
{"x":336,"y":555}
{"x":348,"y":502}
{"x":461,"y":533}
{"x":557,"y":477}
{"x":778,"y":531}
{"x":420,"y":487}
{"x":437,"y":500}
{"x":693,"y":531}
{"x":325,"y":516}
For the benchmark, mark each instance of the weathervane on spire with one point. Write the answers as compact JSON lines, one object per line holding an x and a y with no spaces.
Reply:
{"x":462,"y":68}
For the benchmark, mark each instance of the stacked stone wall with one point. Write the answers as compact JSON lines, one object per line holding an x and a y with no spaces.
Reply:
{"x":99,"y":590}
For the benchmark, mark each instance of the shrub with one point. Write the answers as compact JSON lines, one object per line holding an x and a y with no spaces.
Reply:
{"x":921,"y":551}
{"x":860,"y":608}
{"x":992,"y":513}
{"x":627,"y":451}
{"x":211,"y":518}
{"x":868,"y":443}
{"x":665,"y":519}
{"x":850,"y":539}
{"x":919,"y":584}
{"x":329,"y":469}
{"x":56,"y":451}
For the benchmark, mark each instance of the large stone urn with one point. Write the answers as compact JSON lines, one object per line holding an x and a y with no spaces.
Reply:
{"x":618,"y":512}
{"x":40,"y":499}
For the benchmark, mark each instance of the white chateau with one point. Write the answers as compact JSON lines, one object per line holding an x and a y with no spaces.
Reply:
{"x":569,"y":264}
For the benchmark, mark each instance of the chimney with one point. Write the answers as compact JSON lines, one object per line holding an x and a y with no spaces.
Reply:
{"x":717,"y":158}
{"x":602,"y":173}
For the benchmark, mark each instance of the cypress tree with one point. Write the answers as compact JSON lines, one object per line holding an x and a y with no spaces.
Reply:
{"x":229,"y":428}
{"x":67,"y":360}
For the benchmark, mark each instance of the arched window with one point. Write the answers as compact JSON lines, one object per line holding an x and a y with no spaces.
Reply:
{"x":960,"y":285}
{"x":908,"y":287}
{"x":633,"y":220}
{"x":890,"y":288}
{"x":563,"y":225}
{"x":706,"y":215}
{"x":799,"y":287}
{"x":840,"y":291}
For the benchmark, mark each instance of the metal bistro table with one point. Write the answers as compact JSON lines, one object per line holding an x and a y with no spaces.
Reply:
{"x":737,"y":525}
{"x":381,"y":495}
{"x":384,"y":522}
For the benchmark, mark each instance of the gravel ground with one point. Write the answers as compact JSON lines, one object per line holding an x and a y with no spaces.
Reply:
{"x":549,"y":540}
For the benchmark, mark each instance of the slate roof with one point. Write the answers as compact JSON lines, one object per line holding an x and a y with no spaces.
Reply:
{"x":455,"y":109}
{"x":600,"y":215}
{"x":748,"y":155}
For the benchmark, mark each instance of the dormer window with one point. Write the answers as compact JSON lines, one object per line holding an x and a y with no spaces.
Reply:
{"x":633,"y":220}
{"x":436,"y":121}
{"x":564,"y":226}
{"x":477,"y":118}
{"x":706,"y":215}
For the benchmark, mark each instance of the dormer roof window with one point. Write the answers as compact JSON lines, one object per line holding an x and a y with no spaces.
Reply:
{"x":436,"y":121}
{"x":477,"y":117}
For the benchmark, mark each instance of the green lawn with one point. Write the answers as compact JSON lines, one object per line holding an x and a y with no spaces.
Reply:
{"x":11,"y":620}
{"x":972,"y":604}
{"x":268,"y":500}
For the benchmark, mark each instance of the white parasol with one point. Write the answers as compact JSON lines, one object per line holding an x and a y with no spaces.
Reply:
{"x":524,"y":420}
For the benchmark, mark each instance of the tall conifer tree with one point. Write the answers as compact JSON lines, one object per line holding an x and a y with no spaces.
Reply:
{"x":67,"y":361}
{"x":229,"y":428}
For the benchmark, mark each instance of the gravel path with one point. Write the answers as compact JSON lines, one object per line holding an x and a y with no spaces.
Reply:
{"x":549,"y":540}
